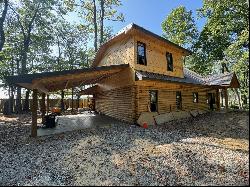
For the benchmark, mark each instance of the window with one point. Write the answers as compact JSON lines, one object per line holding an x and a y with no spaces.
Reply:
{"x":153,"y":100}
{"x":195,"y":97}
{"x":141,"y":53}
{"x":169,"y":61}
{"x":178,"y":100}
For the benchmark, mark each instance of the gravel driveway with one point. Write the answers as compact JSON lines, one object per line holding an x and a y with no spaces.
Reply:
{"x":212,"y":149}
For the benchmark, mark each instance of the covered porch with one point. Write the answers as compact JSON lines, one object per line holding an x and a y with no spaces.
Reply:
{"x":44,"y":83}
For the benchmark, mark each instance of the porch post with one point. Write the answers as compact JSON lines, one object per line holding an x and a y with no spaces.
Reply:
{"x":218,"y":99}
{"x":43,"y":107}
{"x":226,"y":98}
{"x":34,"y":114}
{"x":47,"y":107}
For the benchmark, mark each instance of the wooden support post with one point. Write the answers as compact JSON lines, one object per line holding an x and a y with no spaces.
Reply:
{"x":43,"y":107}
{"x":47,"y":107}
{"x":218,"y":99}
{"x":226,"y":98}
{"x":34,"y":114}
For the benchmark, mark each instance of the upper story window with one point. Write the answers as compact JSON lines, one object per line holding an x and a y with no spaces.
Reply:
{"x":141,"y":53}
{"x":169,"y":61}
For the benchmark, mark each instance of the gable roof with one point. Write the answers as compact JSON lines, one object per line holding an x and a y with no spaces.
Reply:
{"x":127,"y":30}
{"x":190,"y":77}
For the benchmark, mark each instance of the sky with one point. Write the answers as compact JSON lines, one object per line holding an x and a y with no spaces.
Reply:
{"x":148,"y":14}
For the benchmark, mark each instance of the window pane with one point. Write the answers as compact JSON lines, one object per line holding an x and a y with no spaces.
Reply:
{"x":141,"y":50}
{"x":169,"y":61}
{"x":141,"y":53}
{"x":195,"y":97}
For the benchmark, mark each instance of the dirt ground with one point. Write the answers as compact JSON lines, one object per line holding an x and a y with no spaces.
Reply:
{"x":211,"y":149}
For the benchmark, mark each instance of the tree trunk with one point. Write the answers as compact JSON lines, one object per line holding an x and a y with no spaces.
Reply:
{"x":95,"y":26}
{"x":26,"y":101}
{"x":78,"y":100}
{"x":18,"y":101}
{"x":24,"y":56}
{"x":11,"y":99}
{"x":101,"y":21}
{"x":62,"y":100}
{"x":2,"y":19}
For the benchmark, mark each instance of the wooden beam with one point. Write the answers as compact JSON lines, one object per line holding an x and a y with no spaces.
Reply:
{"x":226,"y":98}
{"x":43,"y":107}
{"x":218,"y":99}
{"x":34,"y":114}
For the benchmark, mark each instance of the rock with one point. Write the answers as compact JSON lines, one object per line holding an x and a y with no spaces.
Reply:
{"x":181,"y":115}
{"x":202,"y":111}
{"x":164,"y":118}
{"x":147,"y":117}
{"x":194,"y":113}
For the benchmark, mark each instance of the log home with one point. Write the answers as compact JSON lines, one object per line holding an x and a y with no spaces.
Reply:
{"x":155,"y":79}
{"x":136,"y":71}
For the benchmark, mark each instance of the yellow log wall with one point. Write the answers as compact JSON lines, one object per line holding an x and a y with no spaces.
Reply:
{"x":122,"y":52}
{"x":117,"y":103}
{"x":124,"y":78}
{"x":167,"y":97}
{"x":156,"y":57}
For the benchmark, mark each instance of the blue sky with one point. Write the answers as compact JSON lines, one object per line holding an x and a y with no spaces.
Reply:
{"x":150,"y":13}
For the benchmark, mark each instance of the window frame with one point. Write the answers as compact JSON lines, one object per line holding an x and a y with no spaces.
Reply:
{"x":195,"y":96}
{"x":150,"y":101}
{"x":138,"y":56}
{"x":171,"y":61}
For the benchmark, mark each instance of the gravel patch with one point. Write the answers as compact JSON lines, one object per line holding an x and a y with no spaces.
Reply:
{"x":212,"y":149}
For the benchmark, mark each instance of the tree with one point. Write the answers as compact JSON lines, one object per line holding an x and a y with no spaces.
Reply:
{"x":180,"y":28}
{"x":225,"y":38}
{"x":2,"y":19}
{"x":95,"y":12}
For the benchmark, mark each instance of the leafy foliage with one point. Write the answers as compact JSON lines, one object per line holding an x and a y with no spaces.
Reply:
{"x":180,"y":28}
{"x":223,"y":43}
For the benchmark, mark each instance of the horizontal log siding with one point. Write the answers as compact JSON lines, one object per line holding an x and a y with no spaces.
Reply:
{"x":117,"y":103}
{"x":167,"y":99}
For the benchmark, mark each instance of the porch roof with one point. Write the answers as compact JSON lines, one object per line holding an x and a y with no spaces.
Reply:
{"x":58,"y":80}
{"x":227,"y":80}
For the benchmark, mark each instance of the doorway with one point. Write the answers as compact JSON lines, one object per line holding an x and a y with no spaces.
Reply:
{"x":153,"y":100}
{"x":211,"y":100}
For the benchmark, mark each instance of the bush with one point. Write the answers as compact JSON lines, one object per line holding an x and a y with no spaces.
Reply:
{"x":234,"y":106}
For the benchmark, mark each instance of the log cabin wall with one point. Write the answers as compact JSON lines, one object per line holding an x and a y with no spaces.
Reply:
{"x":117,"y":95}
{"x":167,"y":96}
{"x":117,"y":103}
{"x":156,"y":56}
{"x":124,"y":78}
{"x":122,"y":52}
